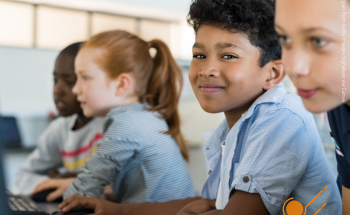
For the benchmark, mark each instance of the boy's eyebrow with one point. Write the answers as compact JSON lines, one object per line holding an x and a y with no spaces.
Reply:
{"x":198,"y":45}
{"x":278,"y":27}
{"x":64,"y":74}
{"x":226,"y":45}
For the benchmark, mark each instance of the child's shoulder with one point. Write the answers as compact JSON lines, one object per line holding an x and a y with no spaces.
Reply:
{"x":63,"y":123}
{"x":290,"y":105}
{"x":133,"y":121}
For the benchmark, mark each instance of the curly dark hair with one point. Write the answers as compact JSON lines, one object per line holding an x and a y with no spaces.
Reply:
{"x":255,"y":18}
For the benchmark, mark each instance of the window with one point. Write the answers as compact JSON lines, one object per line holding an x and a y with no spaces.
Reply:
{"x":102,"y":22}
{"x":57,"y":28}
{"x":16,"y":24}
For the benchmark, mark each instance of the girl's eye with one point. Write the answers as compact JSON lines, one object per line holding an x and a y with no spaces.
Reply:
{"x":319,"y":42}
{"x":85,"y":78}
{"x":228,"y":56}
{"x":284,"y":39}
{"x":198,"y":56}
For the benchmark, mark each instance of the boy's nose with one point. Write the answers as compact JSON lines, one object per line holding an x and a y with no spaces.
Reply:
{"x":296,"y":63}
{"x":58,"y":89}
{"x":209,"y":69}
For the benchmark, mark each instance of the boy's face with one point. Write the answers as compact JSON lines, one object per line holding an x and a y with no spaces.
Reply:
{"x":95,"y":91}
{"x":225,"y":73}
{"x":311,"y":38}
{"x":64,"y":79}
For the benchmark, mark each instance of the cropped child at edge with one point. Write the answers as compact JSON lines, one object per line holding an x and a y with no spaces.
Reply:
{"x":142,"y":153}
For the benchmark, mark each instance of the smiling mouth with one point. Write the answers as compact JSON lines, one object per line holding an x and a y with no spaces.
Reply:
{"x":210,"y":88}
{"x":307,"y":93}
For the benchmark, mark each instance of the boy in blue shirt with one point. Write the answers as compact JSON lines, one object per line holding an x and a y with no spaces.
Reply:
{"x":267,"y":150}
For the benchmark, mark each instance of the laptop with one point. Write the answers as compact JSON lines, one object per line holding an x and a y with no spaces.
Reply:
{"x":4,"y":208}
{"x":12,"y":204}
{"x":9,"y":132}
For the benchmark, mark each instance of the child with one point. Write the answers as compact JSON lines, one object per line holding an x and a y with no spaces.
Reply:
{"x":315,"y":46}
{"x":142,"y":153}
{"x":268,"y":149}
{"x":68,"y":141}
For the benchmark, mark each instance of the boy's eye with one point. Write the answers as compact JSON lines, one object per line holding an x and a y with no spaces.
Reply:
{"x":284,"y":39}
{"x":198,"y":56}
{"x":70,"y":83}
{"x":228,"y":56}
{"x":318,"y":42}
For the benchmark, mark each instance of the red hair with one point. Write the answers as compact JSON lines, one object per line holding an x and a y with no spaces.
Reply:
{"x":159,"y":80}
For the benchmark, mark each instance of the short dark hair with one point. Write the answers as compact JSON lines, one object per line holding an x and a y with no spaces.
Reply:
{"x":255,"y":18}
{"x":72,"y":49}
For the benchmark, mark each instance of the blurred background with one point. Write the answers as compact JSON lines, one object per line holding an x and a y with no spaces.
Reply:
{"x":33,"y":32}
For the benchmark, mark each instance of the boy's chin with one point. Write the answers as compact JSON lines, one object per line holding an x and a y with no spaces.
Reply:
{"x":211,"y":108}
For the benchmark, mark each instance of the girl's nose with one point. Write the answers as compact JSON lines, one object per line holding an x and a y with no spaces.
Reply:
{"x":75,"y":89}
{"x":296,"y":63}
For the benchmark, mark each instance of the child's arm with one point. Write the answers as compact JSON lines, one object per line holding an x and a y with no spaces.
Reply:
{"x":104,"y":166}
{"x":102,"y":207}
{"x":45,"y":157}
{"x":241,"y":203}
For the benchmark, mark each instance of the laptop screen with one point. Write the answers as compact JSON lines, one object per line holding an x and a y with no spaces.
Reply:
{"x":4,"y":209}
{"x":9,"y":134}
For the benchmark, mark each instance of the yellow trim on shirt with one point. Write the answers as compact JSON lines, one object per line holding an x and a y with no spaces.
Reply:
{"x":79,"y":163}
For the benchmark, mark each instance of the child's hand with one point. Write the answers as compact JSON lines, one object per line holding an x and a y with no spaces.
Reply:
{"x":59,"y":184}
{"x":197,"y":207}
{"x":101,"y":207}
{"x":54,"y":173}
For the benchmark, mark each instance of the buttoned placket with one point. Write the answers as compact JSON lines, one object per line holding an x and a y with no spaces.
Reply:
{"x":227,"y":156}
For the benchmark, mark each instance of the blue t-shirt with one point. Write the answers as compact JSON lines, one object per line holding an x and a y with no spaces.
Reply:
{"x":339,"y":121}
{"x":275,"y":150}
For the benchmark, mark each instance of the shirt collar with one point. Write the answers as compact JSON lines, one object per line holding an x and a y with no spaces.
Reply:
{"x":132,"y":106}
{"x":273,"y":95}
{"x":216,"y":136}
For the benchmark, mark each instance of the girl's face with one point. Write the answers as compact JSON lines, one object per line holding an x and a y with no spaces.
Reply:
{"x":95,"y":91}
{"x":314,"y":51}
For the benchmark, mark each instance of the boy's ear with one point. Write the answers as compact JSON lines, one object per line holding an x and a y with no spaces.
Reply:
{"x":275,"y":75}
{"x":123,"y":84}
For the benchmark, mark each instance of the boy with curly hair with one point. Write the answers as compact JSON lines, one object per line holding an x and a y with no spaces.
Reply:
{"x":267,"y":150}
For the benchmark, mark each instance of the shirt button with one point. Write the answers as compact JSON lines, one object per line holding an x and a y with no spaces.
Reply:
{"x":207,"y":148}
{"x":223,"y":143}
{"x":209,"y":172}
{"x":245,"y":179}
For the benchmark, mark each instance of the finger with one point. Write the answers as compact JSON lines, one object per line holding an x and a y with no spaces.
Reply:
{"x":211,"y":203}
{"x":48,"y":184}
{"x":84,"y":202}
{"x":68,"y":200}
{"x":54,"y":195}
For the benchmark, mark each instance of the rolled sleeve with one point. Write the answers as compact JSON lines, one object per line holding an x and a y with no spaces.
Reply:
{"x":274,"y":158}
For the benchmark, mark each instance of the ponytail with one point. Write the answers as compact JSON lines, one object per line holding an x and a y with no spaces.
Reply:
{"x":163,"y":91}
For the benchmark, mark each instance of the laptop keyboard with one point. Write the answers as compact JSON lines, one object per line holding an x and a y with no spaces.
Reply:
{"x":23,"y":205}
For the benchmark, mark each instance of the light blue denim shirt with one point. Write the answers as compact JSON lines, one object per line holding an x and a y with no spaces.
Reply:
{"x":275,"y":150}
